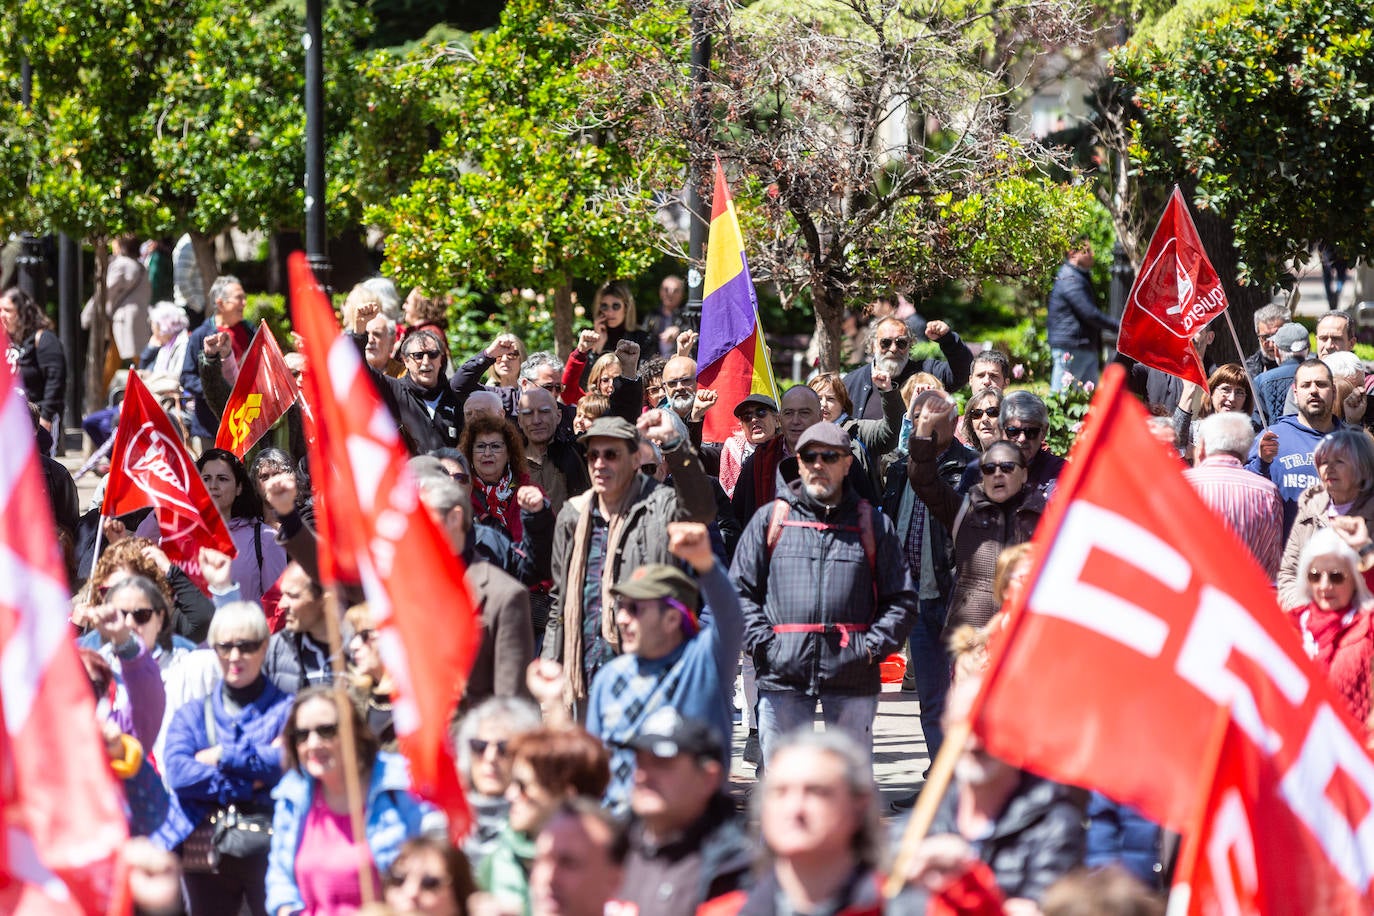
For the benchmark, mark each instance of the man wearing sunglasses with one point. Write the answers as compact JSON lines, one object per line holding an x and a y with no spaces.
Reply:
{"x":826,"y":596}
{"x":890,"y":349}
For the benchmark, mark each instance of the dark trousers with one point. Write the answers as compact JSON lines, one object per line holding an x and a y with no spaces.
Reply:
{"x":236,"y":884}
{"x":931,"y":669}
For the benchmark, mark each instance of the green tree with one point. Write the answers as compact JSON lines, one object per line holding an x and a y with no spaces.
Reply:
{"x":515,"y":196}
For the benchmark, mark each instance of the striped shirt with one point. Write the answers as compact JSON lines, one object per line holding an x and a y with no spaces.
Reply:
{"x":1248,"y":503}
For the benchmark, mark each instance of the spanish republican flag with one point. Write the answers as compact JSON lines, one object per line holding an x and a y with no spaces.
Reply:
{"x":733,"y":356}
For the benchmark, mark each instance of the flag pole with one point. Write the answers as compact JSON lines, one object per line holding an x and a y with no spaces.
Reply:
{"x":1240,"y":355}
{"x":352,"y":786}
{"x":927,"y":804}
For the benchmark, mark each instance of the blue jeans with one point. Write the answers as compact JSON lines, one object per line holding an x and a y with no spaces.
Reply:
{"x":1081,"y":364}
{"x":784,"y":711}
{"x":931,"y":670}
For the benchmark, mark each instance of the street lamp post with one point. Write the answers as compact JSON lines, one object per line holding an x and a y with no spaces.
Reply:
{"x":697,"y":168}
{"x":316,"y":238}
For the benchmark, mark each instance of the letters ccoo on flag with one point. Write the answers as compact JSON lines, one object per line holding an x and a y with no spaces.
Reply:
{"x":732,"y":353}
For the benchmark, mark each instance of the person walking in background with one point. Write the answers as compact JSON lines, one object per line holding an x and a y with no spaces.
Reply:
{"x":1074,"y":322}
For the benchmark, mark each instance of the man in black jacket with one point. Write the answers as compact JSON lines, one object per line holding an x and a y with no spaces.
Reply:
{"x":1075,"y":323}
{"x":889,"y":346}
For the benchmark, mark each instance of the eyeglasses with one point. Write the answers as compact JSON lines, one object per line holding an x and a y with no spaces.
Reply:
{"x":1334,"y":576}
{"x":1016,"y":432}
{"x":650,"y":469}
{"x":488,"y":446}
{"x":429,"y":883}
{"x":608,"y":455}
{"x":419,"y":356}
{"x":611,"y":305}
{"x":979,"y":413}
{"x":327,"y":732}
{"x":812,"y":457}
{"x":553,"y":387}
{"x":687,"y":381}
{"x":141,"y":615}
{"x":634,"y":608}
{"x":245,"y":647}
{"x":750,"y":415}
{"x":992,"y":467}
{"x":887,"y":343}
{"x":479,"y":747}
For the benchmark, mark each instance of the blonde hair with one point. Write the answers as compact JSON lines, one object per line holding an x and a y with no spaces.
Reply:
{"x":599,"y":369}
{"x":920,"y":378}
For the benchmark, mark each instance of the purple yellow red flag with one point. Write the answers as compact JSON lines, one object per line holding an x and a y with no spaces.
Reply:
{"x":733,"y":358}
{"x":263,"y":392}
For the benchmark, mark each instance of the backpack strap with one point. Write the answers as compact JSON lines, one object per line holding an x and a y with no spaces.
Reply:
{"x":775,"y":523}
{"x":866,"y":536}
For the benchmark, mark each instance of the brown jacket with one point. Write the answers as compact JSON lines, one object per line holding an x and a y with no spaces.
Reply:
{"x":1313,"y":506}
{"x":507,"y":634}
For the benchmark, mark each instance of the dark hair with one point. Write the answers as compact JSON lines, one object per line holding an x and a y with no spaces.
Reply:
{"x":563,"y":759}
{"x":247,"y":504}
{"x":998,"y":358}
{"x":429,"y":309}
{"x":364,"y":742}
{"x":460,"y":881}
{"x":585,"y":809}
{"x":485,"y":424}
{"x":1313,"y":362}
{"x":31,"y":316}
{"x":978,"y":400}
{"x":420,"y":335}
{"x":151,"y":593}
{"x":1008,"y":444}
{"x":1110,"y":891}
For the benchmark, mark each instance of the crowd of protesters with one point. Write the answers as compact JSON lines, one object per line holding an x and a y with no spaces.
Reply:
{"x":627,"y":570}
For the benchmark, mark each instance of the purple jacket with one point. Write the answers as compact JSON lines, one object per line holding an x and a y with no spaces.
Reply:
{"x":139,"y":697}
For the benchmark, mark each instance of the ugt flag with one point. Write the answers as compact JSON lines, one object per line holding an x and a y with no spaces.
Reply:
{"x":374,"y":530}
{"x":1143,"y":614}
{"x":733,"y":356}
{"x":263,"y":392}
{"x":1174,"y":296}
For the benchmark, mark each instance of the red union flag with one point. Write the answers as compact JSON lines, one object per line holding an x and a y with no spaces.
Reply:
{"x":376,"y":532}
{"x":1174,"y":296}
{"x":149,"y":466}
{"x":263,"y":392}
{"x":1143,"y":614}
{"x":63,"y":813}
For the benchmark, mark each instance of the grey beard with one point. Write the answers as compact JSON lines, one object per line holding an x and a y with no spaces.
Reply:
{"x":682,"y":403}
{"x":892,"y":365}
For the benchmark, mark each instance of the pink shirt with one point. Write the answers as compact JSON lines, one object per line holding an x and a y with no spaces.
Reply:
{"x":327,"y":863}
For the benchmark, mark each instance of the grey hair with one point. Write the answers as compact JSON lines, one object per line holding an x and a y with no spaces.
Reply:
{"x":443,"y":494}
{"x":516,"y":714}
{"x":1352,"y":445}
{"x":386,"y":292}
{"x":168,"y":318}
{"x":1344,"y":364}
{"x":1023,"y":405}
{"x":222,"y":282}
{"x":1327,"y":543}
{"x":1344,"y":316}
{"x":1275,"y":312}
{"x":1227,"y":433}
{"x":858,"y":775}
{"x":537,"y":360}
{"x":246,"y":616}
{"x":145,"y":587}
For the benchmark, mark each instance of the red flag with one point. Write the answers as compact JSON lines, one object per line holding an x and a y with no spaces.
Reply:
{"x":1239,"y":855}
{"x":1143,"y":614}
{"x":375,"y":531}
{"x":149,"y":466}
{"x":1174,"y":296}
{"x":63,"y":812}
{"x":263,"y":392}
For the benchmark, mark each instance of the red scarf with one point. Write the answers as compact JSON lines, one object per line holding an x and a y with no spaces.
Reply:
{"x":1342,"y":644}
{"x":496,"y":501}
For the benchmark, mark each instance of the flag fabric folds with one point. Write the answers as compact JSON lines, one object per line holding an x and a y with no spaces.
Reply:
{"x":1174,"y":296}
{"x":733,"y":357}
{"x":376,"y":532}
{"x":263,"y":392}
{"x":1143,"y":614}
{"x":149,"y":466}
{"x":63,"y":812}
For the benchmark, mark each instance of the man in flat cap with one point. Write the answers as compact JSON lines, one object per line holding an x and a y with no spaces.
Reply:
{"x":825,"y":592}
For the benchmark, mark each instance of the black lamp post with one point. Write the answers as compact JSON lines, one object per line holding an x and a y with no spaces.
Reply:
{"x":316,"y":237}
{"x":697,"y":167}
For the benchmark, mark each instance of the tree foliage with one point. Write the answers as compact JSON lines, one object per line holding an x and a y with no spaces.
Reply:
{"x":1267,"y":112}
{"x":867,"y":139}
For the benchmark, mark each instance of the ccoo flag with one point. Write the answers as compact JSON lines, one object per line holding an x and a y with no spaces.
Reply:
{"x":733,"y":356}
{"x":1176,"y":294}
{"x":263,"y":392}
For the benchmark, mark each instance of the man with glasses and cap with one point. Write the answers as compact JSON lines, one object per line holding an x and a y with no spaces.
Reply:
{"x":825,"y":592}
{"x":891,"y":343}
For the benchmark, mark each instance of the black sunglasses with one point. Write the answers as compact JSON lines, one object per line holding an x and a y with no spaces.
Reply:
{"x":245,"y":646}
{"x":141,"y":615}
{"x":812,"y":457}
{"x":427,"y":882}
{"x":992,"y":467}
{"x":650,"y":469}
{"x":1015,"y":432}
{"x":420,"y":355}
{"x":1335,"y":575}
{"x":758,"y":413}
{"x":887,"y":343}
{"x":327,"y":732}
{"x":979,"y":413}
{"x":479,"y":747}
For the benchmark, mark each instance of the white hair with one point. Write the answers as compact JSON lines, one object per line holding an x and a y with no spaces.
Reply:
{"x":1228,"y":433}
{"x":1327,"y":543}
{"x":239,"y":617}
{"x":1344,"y":364}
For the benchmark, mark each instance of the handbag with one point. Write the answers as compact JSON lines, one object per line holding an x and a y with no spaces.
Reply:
{"x":228,"y":831}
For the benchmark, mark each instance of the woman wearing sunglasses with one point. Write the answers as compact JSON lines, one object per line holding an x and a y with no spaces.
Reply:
{"x":998,"y":511}
{"x":1345,"y":470}
{"x":980,"y":426}
{"x":315,"y":854}
{"x":483,"y":754}
{"x":431,"y":878}
{"x":226,"y":750}
{"x":1334,"y":618}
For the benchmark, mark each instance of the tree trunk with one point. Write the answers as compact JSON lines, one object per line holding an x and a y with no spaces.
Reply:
{"x":1219,"y":240}
{"x":204,"y":247}
{"x":563,"y":340}
{"x":99,"y":341}
{"x":829,"y":307}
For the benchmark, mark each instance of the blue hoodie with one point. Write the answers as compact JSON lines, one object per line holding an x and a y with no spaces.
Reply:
{"x":1292,"y":470}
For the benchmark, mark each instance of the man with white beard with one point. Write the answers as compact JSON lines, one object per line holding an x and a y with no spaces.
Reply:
{"x":889,"y":346}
